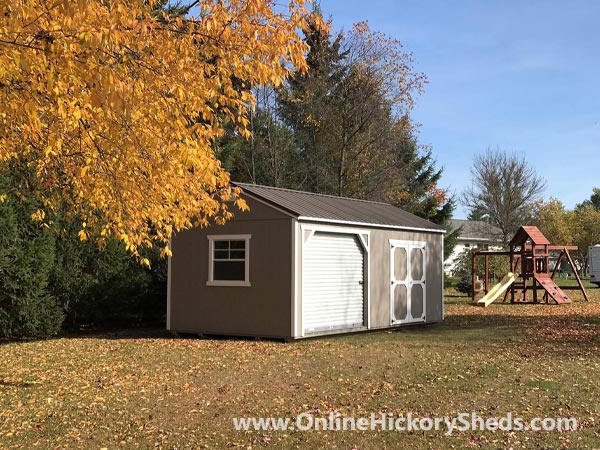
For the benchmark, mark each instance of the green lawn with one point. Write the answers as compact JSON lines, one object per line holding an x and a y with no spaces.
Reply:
{"x":571,"y":281}
{"x":147,"y":389}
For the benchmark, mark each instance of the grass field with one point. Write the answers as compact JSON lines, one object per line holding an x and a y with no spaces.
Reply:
{"x":146,"y":389}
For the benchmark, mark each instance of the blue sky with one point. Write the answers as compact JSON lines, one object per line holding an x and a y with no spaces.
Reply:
{"x":517,"y":75}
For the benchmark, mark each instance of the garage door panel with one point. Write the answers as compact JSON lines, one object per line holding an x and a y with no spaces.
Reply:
{"x":332,"y":286}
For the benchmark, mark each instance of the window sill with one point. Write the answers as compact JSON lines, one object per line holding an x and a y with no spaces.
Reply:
{"x":229,"y":283}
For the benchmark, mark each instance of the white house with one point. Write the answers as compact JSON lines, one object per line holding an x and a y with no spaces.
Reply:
{"x":474,"y":234}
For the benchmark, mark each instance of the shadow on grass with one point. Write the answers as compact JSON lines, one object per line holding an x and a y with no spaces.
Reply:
{"x":151,"y":332}
{"x":18,"y":384}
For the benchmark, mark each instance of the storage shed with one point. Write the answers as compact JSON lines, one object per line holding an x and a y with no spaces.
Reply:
{"x":300,"y":264}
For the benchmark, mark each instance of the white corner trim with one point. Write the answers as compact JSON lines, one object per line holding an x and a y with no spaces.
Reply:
{"x":443,"y":279}
{"x":364,"y":243}
{"x":296,"y":236}
{"x":310,"y":234}
{"x":368,"y":283}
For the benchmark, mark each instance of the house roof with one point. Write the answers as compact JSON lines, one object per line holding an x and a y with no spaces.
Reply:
{"x":529,"y":232}
{"x":328,"y":208}
{"x":475,"y":230}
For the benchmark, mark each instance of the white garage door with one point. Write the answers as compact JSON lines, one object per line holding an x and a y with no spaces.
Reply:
{"x":332,"y":284}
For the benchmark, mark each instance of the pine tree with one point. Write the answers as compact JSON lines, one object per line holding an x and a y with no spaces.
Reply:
{"x":343,"y":128}
{"x":27,"y":306}
{"x":414,"y":187}
{"x":308,"y":104}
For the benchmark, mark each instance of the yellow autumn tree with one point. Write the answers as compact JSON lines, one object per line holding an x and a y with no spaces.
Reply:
{"x":557,"y":223}
{"x":115,"y":108}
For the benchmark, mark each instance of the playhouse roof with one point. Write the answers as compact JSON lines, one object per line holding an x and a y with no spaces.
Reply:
{"x":327,"y":208}
{"x":529,"y":232}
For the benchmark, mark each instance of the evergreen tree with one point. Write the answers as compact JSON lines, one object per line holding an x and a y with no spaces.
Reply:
{"x":27,"y":250}
{"x":309,"y":103}
{"x":414,"y":187}
{"x":479,"y":213}
{"x":269,"y":157}
{"x":593,"y":201}
{"x":48,"y":274}
{"x":343,"y":128}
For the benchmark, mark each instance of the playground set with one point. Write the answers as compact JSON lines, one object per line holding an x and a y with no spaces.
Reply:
{"x":529,"y":253}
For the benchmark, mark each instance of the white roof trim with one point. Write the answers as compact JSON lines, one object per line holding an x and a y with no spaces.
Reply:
{"x":367,"y":224}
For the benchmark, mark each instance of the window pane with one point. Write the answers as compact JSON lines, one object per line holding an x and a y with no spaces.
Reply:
{"x":229,"y":271}
{"x":237,"y":244}
{"x":221,"y":245}
{"x":221,"y":254}
{"x":237,"y":254}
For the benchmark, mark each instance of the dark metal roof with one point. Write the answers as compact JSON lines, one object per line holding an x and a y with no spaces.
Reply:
{"x":306,"y":205}
{"x":529,"y":232}
{"x":477,"y":230}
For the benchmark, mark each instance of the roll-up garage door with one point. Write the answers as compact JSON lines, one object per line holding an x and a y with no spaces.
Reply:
{"x":332,"y":286}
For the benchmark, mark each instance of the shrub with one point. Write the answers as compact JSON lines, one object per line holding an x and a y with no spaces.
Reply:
{"x":47,"y":274}
{"x":465,"y":284}
{"x":114,"y":289}
{"x":27,"y":251}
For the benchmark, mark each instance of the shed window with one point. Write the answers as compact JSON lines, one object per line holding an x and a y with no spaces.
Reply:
{"x":229,"y":260}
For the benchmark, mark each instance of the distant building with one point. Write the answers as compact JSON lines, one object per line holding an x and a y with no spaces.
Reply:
{"x":474,"y":234}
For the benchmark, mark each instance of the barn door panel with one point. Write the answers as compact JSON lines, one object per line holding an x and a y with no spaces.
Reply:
{"x":400,"y":296}
{"x":407,"y":290}
{"x":400,"y":301}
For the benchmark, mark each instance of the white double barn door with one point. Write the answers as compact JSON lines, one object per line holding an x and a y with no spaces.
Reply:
{"x":407,"y":291}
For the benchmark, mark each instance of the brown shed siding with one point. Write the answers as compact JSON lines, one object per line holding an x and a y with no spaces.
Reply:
{"x":380,"y":274}
{"x":264,"y":308}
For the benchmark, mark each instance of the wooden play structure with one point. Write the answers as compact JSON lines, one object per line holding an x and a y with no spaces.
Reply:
{"x":529,"y":253}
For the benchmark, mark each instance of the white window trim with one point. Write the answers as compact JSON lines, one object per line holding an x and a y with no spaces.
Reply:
{"x":211,"y":252}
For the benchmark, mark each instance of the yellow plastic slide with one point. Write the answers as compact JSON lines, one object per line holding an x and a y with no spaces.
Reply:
{"x":497,"y":290}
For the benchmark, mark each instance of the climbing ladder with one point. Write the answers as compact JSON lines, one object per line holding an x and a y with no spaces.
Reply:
{"x":551,"y":288}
